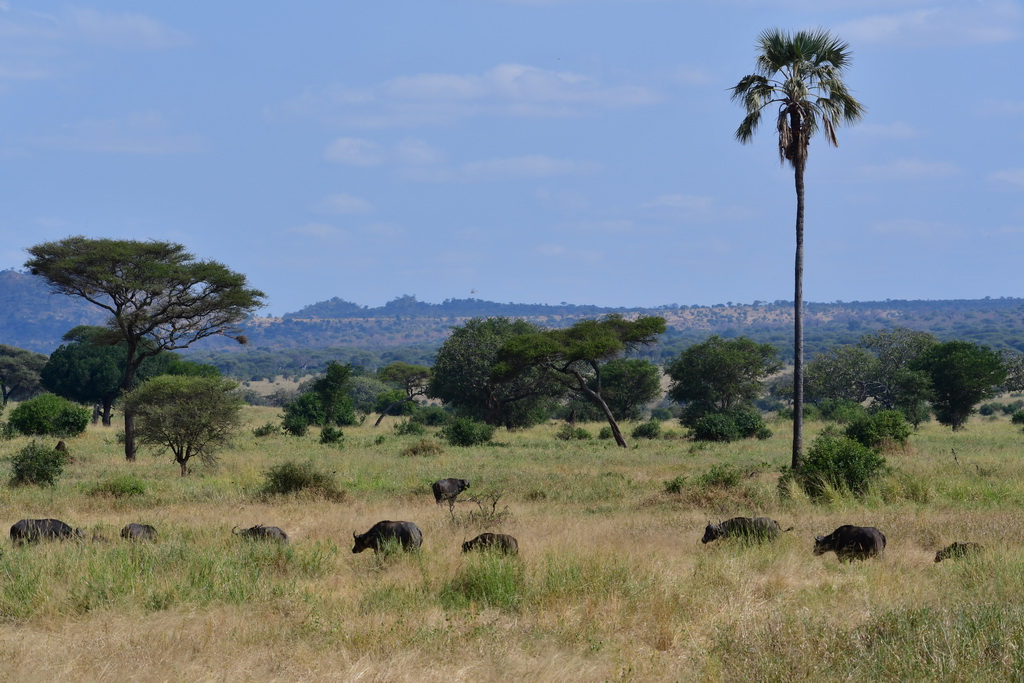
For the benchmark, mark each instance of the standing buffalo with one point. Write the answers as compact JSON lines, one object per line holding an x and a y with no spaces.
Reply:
{"x":851,"y":542}
{"x":405,"y":533}
{"x":31,"y":530}
{"x":747,"y":528}
{"x":270,"y":533}
{"x":138,"y":532}
{"x":498,"y":542}
{"x":447,"y":490}
{"x":958,"y":550}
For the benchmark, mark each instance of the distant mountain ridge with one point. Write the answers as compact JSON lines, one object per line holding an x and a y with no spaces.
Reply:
{"x":32,"y":318}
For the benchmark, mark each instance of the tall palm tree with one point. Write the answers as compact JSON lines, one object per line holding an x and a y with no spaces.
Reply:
{"x":801,"y":75}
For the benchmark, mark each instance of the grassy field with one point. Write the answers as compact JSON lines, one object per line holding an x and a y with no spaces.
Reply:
{"x":612,"y":582}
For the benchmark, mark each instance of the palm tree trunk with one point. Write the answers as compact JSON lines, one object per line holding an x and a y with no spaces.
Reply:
{"x":798,"y":322}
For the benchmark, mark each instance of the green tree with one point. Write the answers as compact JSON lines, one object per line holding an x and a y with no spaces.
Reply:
{"x":892,"y":384}
{"x":327,"y":402}
{"x":575,"y":356}
{"x":190,"y":416}
{"x":462,"y":376}
{"x":49,"y":415}
{"x":413,"y":380}
{"x":19,"y":373}
{"x":158,"y":296}
{"x":720,"y":375}
{"x":842,"y":372}
{"x":800,"y":75}
{"x":627,"y":384}
{"x":962,"y":375}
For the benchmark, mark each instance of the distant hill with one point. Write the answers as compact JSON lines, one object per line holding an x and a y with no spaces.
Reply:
{"x":31,"y":318}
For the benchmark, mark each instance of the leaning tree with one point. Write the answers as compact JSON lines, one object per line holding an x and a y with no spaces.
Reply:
{"x":158,"y":295}
{"x":800,"y":75}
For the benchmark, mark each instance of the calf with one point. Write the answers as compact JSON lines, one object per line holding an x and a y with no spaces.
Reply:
{"x":748,"y":528}
{"x":958,"y":550}
{"x":407,"y":534}
{"x":851,"y":542}
{"x":32,"y":530}
{"x":447,"y":490}
{"x":138,"y":532}
{"x":270,"y":533}
{"x":498,"y":542}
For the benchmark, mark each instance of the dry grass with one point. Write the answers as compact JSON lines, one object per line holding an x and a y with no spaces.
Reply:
{"x":612,"y":581}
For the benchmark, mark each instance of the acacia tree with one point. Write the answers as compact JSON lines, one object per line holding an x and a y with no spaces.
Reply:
{"x":19,"y":373}
{"x":962,"y":375}
{"x":412,"y":379}
{"x":574,"y":356}
{"x":800,"y":75}
{"x":159,"y":297}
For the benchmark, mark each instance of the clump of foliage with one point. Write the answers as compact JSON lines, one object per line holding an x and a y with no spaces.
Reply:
{"x":716,"y":427}
{"x":1018,"y":418}
{"x":604,"y":433}
{"x":675,"y":485}
{"x":423,"y":447}
{"x":647,"y":430}
{"x":838,"y":462}
{"x":723,"y":476}
{"x":883,"y":429}
{"x":570,"y":433}
{"x":409,"y":428}
{"x":841,"y":410}
{"x":300,"y":477}
{"x":488,"y":580}
{"x":430,"y":416}
{"x":464,"y":431}
{"x":331,"y":435}
{"x":121,"y":486}
{"x":268,"y":429}
{"x":294,"y":424}
{"x":38,"y":465}
{"x":49,"y":415}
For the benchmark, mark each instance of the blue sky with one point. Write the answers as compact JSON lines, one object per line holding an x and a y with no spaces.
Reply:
{"x":516,"y":151}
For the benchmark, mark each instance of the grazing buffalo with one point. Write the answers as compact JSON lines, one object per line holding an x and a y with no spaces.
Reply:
{"x":747,"y":528}
{"x":138,"y":532}
{"x":958,"y":550}
{"x":270,"y":533}
{"x":405,"y":533}
{"x":498,"y":542}
{"x":447,"y":490}
{"x":31,"y":530}
{"x":851,"y":542}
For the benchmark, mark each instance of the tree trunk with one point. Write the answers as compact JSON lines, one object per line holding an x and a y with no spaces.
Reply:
{"x":184,"y":467}
{"x":599,"y":400}
{"x":798,"y":322}
{"x":108,"y":404}
{"x":388,"y":410}
{"x":131,"y":366}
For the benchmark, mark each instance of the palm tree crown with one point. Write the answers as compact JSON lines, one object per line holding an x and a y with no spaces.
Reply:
{"x":802,"y":74}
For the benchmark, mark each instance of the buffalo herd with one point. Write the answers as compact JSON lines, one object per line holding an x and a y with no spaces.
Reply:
{"x":848,"y":542}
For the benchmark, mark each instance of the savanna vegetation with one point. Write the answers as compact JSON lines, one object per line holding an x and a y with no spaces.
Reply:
{"x":611,"y":582}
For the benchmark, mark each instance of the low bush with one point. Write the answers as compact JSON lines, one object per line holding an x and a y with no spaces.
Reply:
{"x":464,"y":431}
{"x":838,"y":462}
{"x":431,"y":416}
{"x":38,"y":465}
{"x":423,"y":447}
{"x":331,"y":435}
{"x":300,"y":477}
{"x":723,"y":476}
{"x":716,"y":427}
{"x":1018,"y":418}
{"x":570,"y":433}
{"x":409,"y":428}
{"x":49,"y":415}
{"x":268,"y":429}
{"x":841,"y":410}
{"x":604,"y":433}
{"x":883,"y":429}
{"x":295,"y":424}
{"x":121,"y":486}
{"x":647,"y":430}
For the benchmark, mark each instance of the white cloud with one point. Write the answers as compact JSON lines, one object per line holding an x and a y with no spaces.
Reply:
{"x":122,"y":30}
{"x":886,"y":131}
{"x":916,"y":228}
{"x":979,"y":22}
{"x":679,"y":201}
{"x":386,"y":230}
{"x":342,"y":203}
{"x":319,"y":230}
{"x":691,"y":75}
{"x":909,"y":169}
{"x":697,"y":207}
{"x":1013,"y":176}
{"x":440,"y":98}
{"x":355,"y":152}
{"x":418,"y":153}
{"x":139,"y":133}
{"x":536,"y":166}
{"x":551,"y":250}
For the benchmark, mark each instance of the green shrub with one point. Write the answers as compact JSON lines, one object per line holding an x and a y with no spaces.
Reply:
{"x":431,"y":416}
{"x":661,"y":414}
{"x":879,"y":430}
{"x":763,"y":432}
{"x":747,"y":421}
{"x":723,"y":476}
{"x":423,"y":447}
{"x":121,"y":486}
{"x":647,"y":430}
{"x":716,"y":427}
{"x":570,"y":433}
{"x":49,"y":415}
{"x":409,"y":428}
{"x":988,"y":409}
{"x":487,"y":580}
{"x":1011,"y":408}
{"x":811,"y":412}
{"x":840,"y":463}
{"x":464,"y":431}
{"x":676,"y":485}
{"x":841,"y":410}
{"x":331,"y":435}
{"x":1018,"y":418}
{"x":295,"y":477}
{"x":269,"y":429}
{"x":604,"y":433}
{"x":294,"y":424}
{"x":37,"y":464}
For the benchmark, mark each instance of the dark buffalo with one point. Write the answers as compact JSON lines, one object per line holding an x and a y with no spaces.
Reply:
{"x":31,"y":530}
{"x":138,"y":532}
{"x":448,"y":489}
{"x":748,"y":528}
{"x":406,"y":533}
{"x":958,"y":550}
{"x":270,"y":533}
{"x":851,"y":542}
{"x":498,"y":542}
